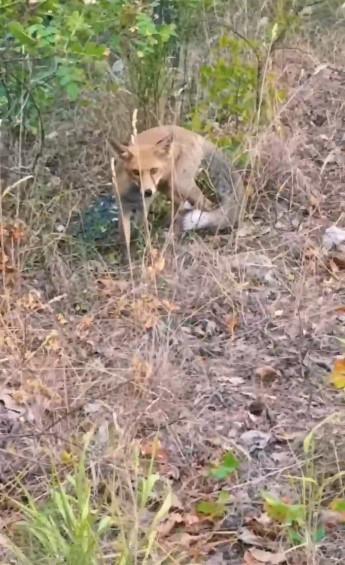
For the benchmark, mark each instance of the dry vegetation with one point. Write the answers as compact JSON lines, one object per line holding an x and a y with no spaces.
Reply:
{"x":211,"y":346}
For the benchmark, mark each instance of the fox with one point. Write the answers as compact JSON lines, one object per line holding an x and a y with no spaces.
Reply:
{"x":186,"y":168}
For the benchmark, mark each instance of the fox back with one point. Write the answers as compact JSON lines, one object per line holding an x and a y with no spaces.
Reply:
{"x":175,"y":158}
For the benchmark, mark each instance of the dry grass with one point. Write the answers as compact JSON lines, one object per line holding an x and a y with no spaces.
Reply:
{"x":176,"y":351}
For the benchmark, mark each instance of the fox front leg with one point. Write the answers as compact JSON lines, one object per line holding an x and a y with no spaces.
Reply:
{"x":140,"y":216}
{"x":124,"y":227}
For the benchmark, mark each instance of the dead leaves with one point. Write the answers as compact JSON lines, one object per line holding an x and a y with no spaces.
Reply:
{"x":12,"y":233}
{"x":266,"y":374}
{"x":188,"y":522}
{"x":255,"y":556}
{"x":29,"y":402}
{"x":337,"y":376}
{"x":141,"y":373}
{"x":231,"y":322}
{"x":157,"y":264}
{"x":145,"y":311}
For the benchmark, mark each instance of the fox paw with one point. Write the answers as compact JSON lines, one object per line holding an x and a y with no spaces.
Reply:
{"x":196,"y":219}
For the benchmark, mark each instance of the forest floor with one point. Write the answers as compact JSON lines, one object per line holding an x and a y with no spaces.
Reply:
{"x":216,"y":356}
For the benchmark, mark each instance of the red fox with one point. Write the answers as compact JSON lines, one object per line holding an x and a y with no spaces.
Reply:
{"x":176,"y":162}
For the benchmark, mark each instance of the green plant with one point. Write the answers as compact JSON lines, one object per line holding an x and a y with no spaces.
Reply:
{"x":238,"y":90}
{"x":52,"y":50}
{"x":74,"y":527}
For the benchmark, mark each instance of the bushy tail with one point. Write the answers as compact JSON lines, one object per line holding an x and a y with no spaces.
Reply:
{"x":228,"y":215}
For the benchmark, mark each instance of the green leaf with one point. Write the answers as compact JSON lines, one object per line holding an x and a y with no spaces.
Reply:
{"x":227,"y":465}
{"x":72,"y":90}
{"x":214,"y":508}
{"x":104,"y":525}
{"x":19,"y":33}
{"x":210,"y":508}
{"x":319,"y":535}
{"x":338,"y":505}
{"x":282,"y":512}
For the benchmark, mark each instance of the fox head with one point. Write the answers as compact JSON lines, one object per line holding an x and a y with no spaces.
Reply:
{"x":146,"y":165}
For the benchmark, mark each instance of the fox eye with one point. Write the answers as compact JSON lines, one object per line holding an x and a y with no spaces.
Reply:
{"x":136,"y":173}
{"x":153,"y":171}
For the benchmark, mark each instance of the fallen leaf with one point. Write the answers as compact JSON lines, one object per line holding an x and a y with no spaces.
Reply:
{"x":61,"y":319}
{"x":263,"y":556}
{"x":227,"y":465}
{"x":174,"y":519}
{"x":333,"y":266}
{"x":337,"y":259}
{"x":231,"y":323}
{"x":158,"y":263}
{"x":337,"y":376}
{"x":263,"y":526}
{"x":213,"y":508}
{"x":248,"y":559}
{"x":84,"y":324}
{"x":338,"y":505}
{"x":282,"y":511}
{"x":168,"y":306}
{"x":191,"y":519}
{"x":142,"y":371}
{"x":266,"y":373}
{"x":154,"y":449}
{"x":16,"y":231}
{"x":245,"y":535}
{"x":112,"y":287}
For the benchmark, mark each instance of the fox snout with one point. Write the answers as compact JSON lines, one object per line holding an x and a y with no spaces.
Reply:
{"x":148,"y":192}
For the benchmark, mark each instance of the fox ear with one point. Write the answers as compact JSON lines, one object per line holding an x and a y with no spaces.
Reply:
{"x":163,"y":146}
{"x":120,"y":149}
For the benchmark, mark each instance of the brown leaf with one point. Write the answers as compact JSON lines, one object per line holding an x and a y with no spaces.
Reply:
{"x":231,"y":323}
{"x":174,"y":519}
{"x":142,"y":371}
{"x":337,"y":258}
{"x":262,"y":556}
{"x":16,"y":231}
{"x":191,"y":519}
{"x":248,"y":559}
{"x":154,"y":449}
{"x":249,"y":538}
{"x":263,"y":526}
{"x":266,"y":373}
{"x":337,"y":376}
{"x":84,"y":324}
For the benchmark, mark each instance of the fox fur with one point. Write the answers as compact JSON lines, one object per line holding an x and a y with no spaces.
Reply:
{"x":187,"y":168}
